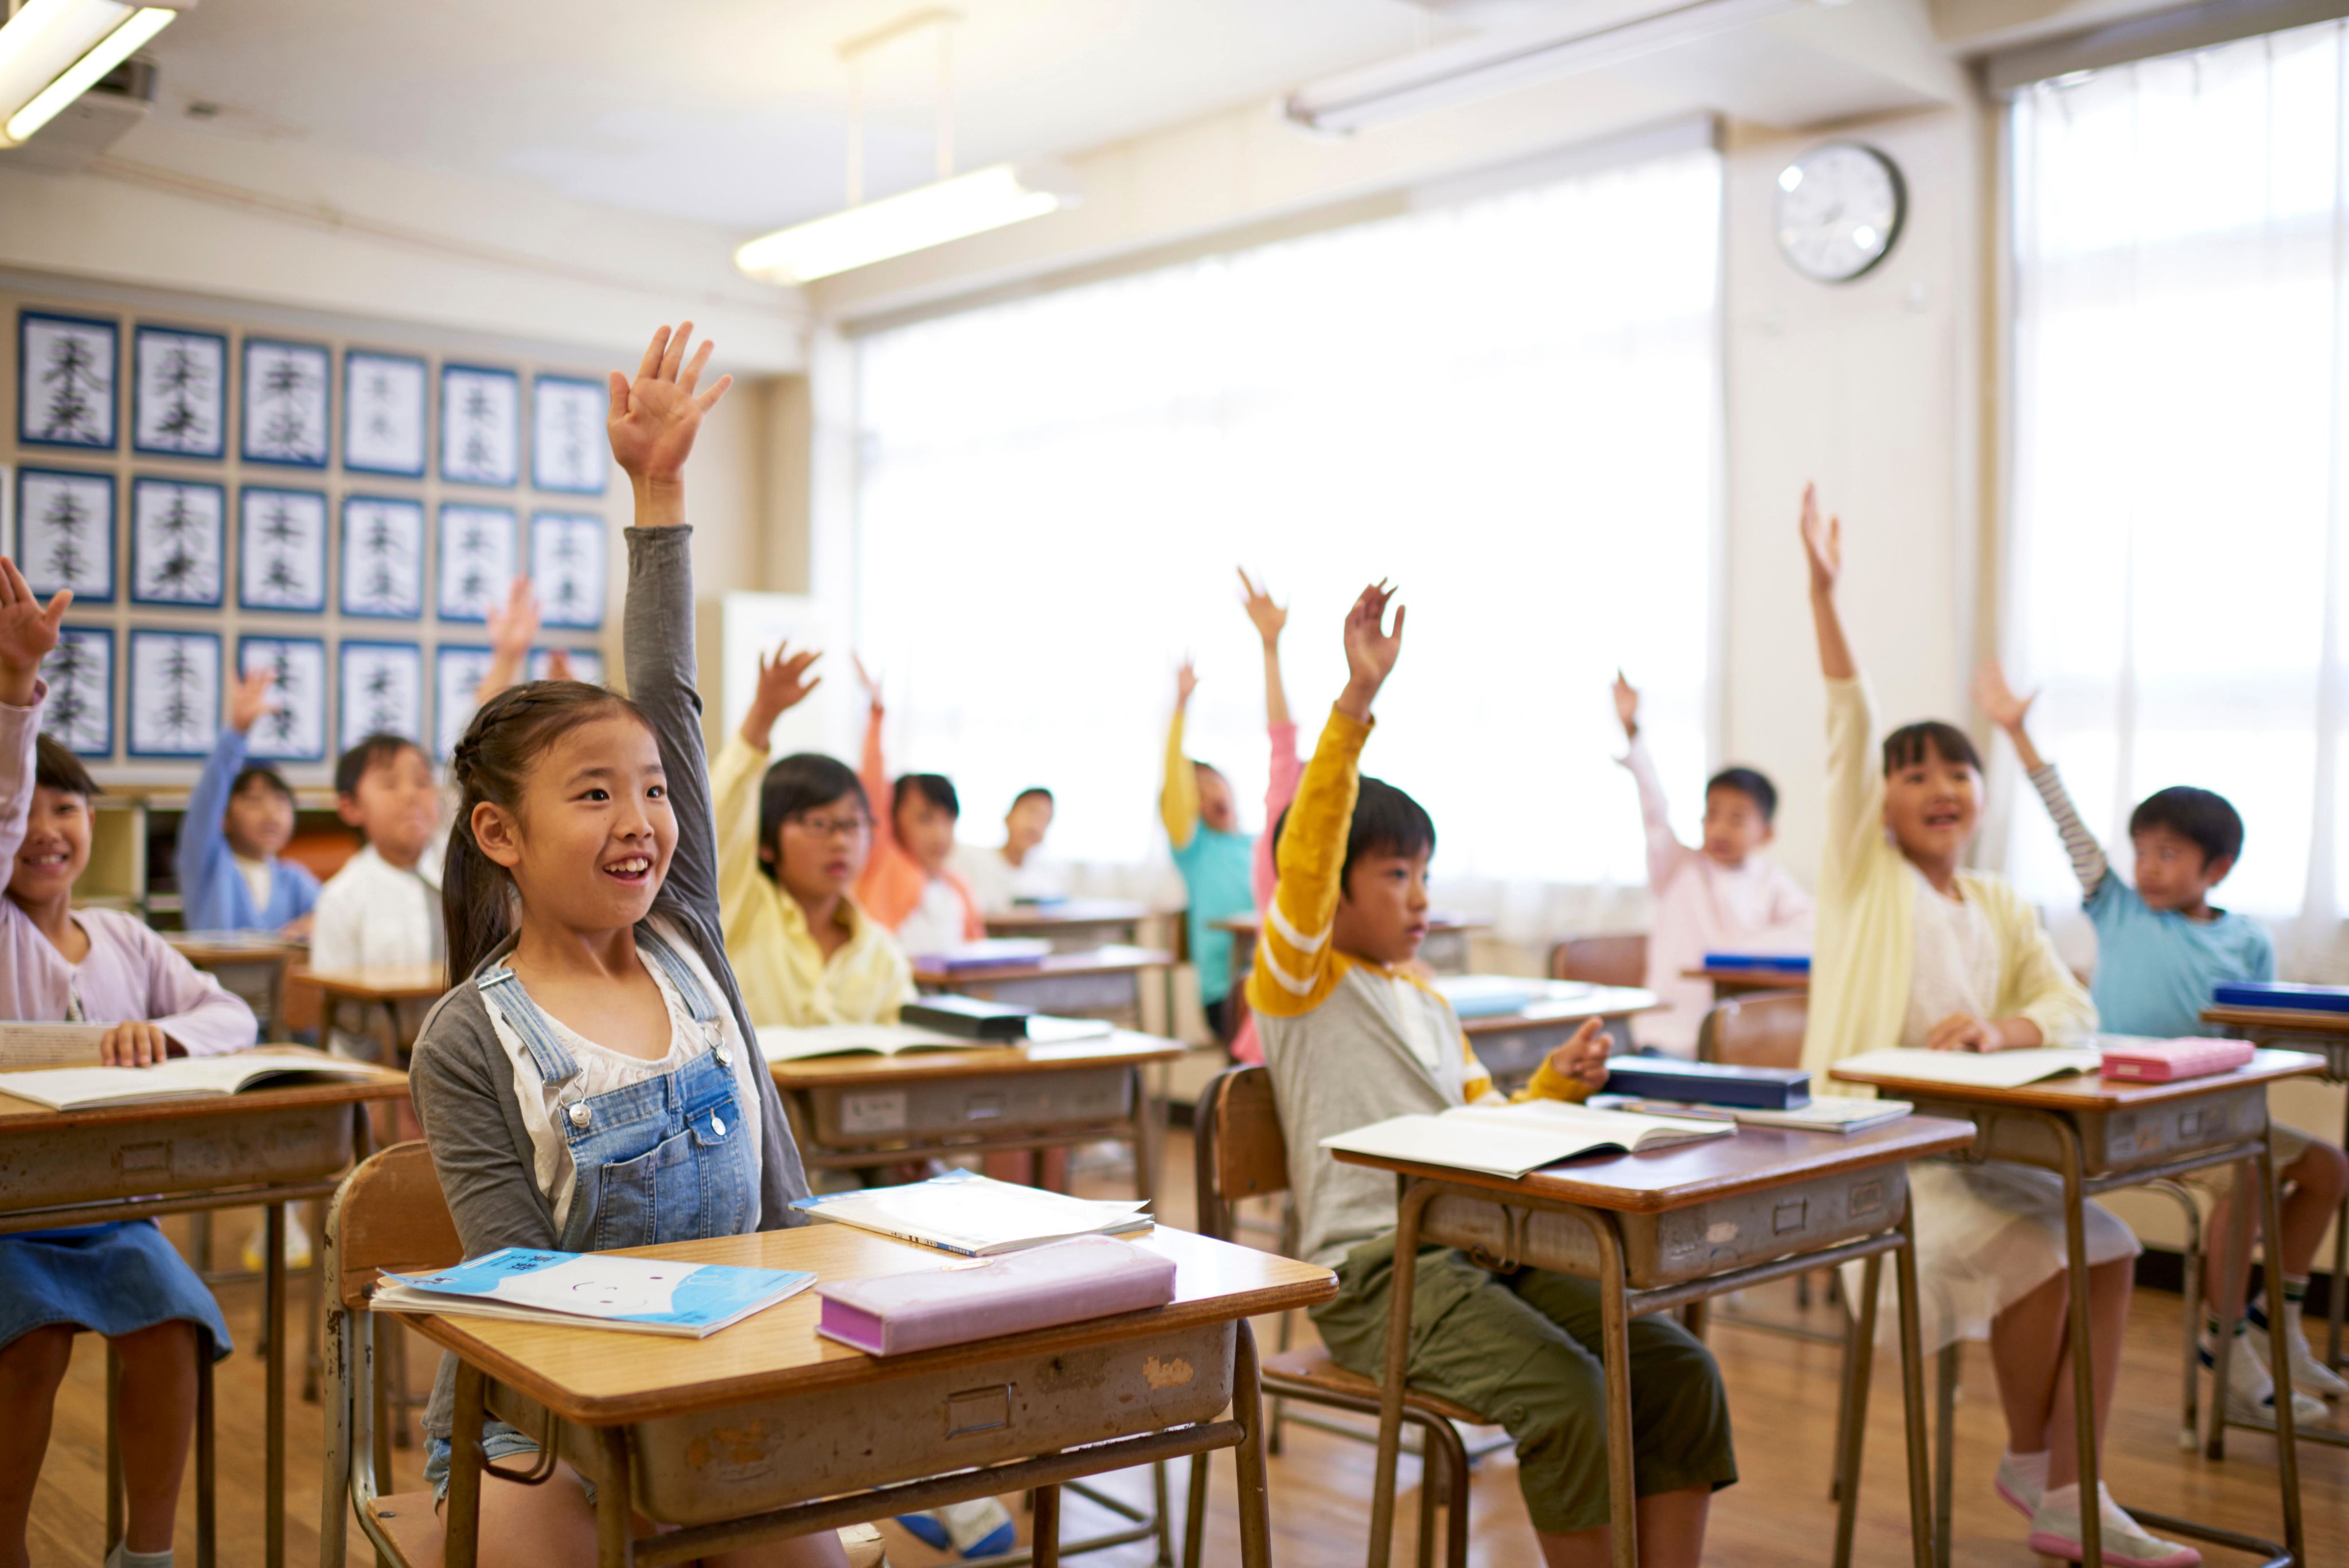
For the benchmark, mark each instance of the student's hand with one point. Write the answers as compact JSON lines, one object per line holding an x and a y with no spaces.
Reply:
{"x":1963,"y":1032}
{"x":558,"y":665}
{"x":1186,"y":681}
{"x":783,"y":685}
{"x":871,"y":682}
{"x":1269,"y":617}
{"x":655,"y":418}
{"x":513,"y":626}
{"x":1370,"y":649}
{"x":297,"y":930}
{"x":1627,"y":706}
{"x":1997,"y":699}
{"x":1584,"y":1056}
{"x":27,"y":633}
{"x":1822,"y":543}
{"x":133,"y":1045}
{"x":248,"y":699}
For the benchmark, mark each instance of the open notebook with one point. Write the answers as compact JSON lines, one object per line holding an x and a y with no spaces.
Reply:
{"x":594,"y":1290}
{"x":976,"y":1215}
{"x":1509,"y":1140}
{"x":184,"y":1078}
{"x":1973,"y":1070}
{"x":1820,"y":1113}
{"x":780,"y":1044}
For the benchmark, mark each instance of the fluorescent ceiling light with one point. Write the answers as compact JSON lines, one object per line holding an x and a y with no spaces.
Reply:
{"x":898,"y":225}
{"x":53,"y":51}
{"x":1492,"y":63}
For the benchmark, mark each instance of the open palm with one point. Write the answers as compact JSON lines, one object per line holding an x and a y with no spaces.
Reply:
{"x":27,"y":629}
{"x":1269,"y":617}
{"x":248,"y":698}
{"x":655,"y":418}
{"x":1997,"y":699}
{"x":1822,"y":540}
{"x":1371,"y":649}
{"x":783,"y":682}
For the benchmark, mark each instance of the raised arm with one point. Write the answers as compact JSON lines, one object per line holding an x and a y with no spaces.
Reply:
{"x":1178,"y":799}
{"x":1665,"y":851}
{"x":1855,"y":785}
{"x":1823,"y":549}
{"x":27,"y":632}
{"x":1269,"y":618}
{"x":203,"y":847}
{"x":873,"y":769}
{"x":2011,"y":713}
{"x":652,"y":424}
{"x":513,"y":628}
{"x":742,"y":763}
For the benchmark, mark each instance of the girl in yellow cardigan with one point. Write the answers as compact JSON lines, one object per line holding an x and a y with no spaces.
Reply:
{"x":1915,"y":949}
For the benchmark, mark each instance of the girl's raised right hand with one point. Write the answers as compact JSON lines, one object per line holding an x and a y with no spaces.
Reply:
{"x":1822,"y":543}
{"x":27,"y":633}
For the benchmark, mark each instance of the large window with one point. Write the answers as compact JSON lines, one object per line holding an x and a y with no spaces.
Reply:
{"x":1508,"y":405}
{"x":2182,"y":241}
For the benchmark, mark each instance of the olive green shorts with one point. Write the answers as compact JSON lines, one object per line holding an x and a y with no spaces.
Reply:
{"x":1523,"y":1349}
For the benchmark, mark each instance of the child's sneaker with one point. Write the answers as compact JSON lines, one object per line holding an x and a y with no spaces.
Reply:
{"x":979,"y":1528}
{"x":2251,"y":1388}
{"x":2055,"y":1530}
{"x":298,"y":1245}
{"x":2308,"y":1374}
{"x":2022,"y":1480}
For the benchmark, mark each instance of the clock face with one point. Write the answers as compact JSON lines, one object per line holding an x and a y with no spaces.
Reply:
{"x":1839,"y":210}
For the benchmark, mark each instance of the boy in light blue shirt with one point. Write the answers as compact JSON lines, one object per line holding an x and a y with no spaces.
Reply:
{"x":2161,"y":946}
{"x":238,"y":820}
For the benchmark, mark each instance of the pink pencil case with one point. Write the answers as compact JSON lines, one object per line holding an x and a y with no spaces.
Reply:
{"x":2167,"y":1061}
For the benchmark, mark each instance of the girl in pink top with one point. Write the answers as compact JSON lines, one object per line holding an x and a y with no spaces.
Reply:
{"x":1281,"y":783}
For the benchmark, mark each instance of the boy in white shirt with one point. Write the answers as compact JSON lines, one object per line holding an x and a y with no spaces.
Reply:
{"x":382,"y":910}
{"x":1019,"y":870}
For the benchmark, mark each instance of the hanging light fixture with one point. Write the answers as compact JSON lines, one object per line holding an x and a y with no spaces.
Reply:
{"x":953,"y":207}
{"x":53,"y":51}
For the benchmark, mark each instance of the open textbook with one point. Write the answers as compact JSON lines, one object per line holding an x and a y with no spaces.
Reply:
{"x":1975,"y":1070}
{"x":1820,"y":1113}
{"x":182,"y":1077}
{"x":781,"y":1044}
{"x":976,"y":1215}
{"x":1509,"y":1140}
{"x":594,"y":1290}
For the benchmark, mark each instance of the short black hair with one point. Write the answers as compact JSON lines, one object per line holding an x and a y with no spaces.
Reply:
{"x":370,"y":751}
{"x":799,"y":782}
{"x":1386,"y":822}
{"x":1908,"y":745}
{"x":1751,"y":783}
{"x":260,"y":772}
{"x":1032,"y":791}
{"x":2202,"y":817}
{"x":56,"y":767}
{"x":936,"y":788}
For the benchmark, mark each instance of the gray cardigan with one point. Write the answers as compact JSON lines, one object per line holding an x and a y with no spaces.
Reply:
{"x":462,"y":1081}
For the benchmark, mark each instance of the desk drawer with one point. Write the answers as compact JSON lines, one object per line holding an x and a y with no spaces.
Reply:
{"x":992,"y":1106}
{"x":2112,"y":1143}
{"x":722,"y":1464}
{"x":1068,"y":995}
{"x":1682,"y":1244}
{"x":90,"y":1164}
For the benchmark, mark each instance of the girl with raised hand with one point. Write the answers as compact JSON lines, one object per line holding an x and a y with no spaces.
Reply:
{"x":592,"y":1081}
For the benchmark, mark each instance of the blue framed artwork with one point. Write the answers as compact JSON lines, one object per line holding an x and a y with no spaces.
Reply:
{"x":65,"y":532}
{"x":281,"y":550}
{"x":476,"y":560}
{"x":567,"y":568}
{"x":179,"y":392}
{"x":457,"y":672}
{"x":568,"y":449}
{"x":381,"y":685}
{"x":178,"y":541}
{"x":384,"y":417}
{"x":65,"y":380}
{"x":175,"y":694}
{"x":288,"y":399}
{"x":586,"y":664}
{"x":294,"y":730}
{"x":481,"y":425}
{"x":80,"y":672}
{"x":383,"y":557}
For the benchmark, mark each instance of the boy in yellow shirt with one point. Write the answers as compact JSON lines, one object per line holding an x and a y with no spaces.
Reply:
{"x":1351,"y":1037}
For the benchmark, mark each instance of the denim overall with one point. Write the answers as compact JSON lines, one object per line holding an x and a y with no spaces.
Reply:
{"x":666,"y":1159}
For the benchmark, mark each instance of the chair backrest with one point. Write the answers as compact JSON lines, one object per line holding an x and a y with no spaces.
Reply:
{"x":1238,"y":1145}
{"x":1763,"y":1030}
{"x":1602,"y":961}
{"x":390,"y":1215}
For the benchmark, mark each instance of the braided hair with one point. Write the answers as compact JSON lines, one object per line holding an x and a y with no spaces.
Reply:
{"x":492,"y":762}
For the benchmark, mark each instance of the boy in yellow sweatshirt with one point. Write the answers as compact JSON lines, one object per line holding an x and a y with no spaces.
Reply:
{"x":1350,"y":1037}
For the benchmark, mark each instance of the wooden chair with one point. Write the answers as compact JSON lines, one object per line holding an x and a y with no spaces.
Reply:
{"x":390,"y":1215}
{"x":1602,"y":961}
{"x":1235,"y":1133}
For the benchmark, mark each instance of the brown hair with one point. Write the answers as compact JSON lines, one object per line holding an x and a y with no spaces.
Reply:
{"x":493,"y":763}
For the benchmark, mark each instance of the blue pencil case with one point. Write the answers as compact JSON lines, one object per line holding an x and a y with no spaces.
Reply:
{"x":2281,"y":994}
{"x":1708,"y":1083}
{"x":1774,"y":963}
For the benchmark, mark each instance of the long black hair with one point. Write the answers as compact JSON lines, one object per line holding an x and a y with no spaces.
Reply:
{"x":801,"y":781}
{"x":512,"y":731}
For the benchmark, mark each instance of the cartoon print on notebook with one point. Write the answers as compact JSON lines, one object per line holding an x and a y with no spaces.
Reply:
{"x":65,"y":389}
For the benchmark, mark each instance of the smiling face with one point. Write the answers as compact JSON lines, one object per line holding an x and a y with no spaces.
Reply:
{"x":397,"y":805}
{"x":259,"y":822}
{"x":1734,"y":826}
{"x":55,"y":846}
{"x":1932,"y":804}
{"x":1383,"y":913}
{"x":819,"y":854}
{"x":589,"y":840}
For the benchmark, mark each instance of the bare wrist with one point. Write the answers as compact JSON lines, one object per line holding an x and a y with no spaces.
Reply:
{"x":1355,"y":701}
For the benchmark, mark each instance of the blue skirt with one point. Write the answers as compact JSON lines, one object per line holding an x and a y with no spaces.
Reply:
{"x":113,"y":1279}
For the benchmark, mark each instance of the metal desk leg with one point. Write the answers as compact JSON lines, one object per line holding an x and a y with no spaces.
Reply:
{"x":1851,"y":1411}
{"x":461,"y":1534}
{"x":1945,"y":1447}
{"x":2280,"y":1360}
{"x":2235,"y":1261}
{"x":1045,"y":1525}
{"x":1614,"y":1342}
{"x":273,"y":1470}
{"x":2337,"y":1294}
{"x":1254,"y":1492}
{"x":616,"y":1513}
{"x":1912,"y":1400}
{"x":207,"y":1465}
{"x":114,"y":1502}
{"x":2083,"y":1371}
{"x":1400,"y":1281}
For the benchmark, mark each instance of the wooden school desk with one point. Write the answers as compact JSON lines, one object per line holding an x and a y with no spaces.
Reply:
{"x":252,"y":969}
{"x":366,"y":989}
{"x":1512,"y":1045}
{"x":2100,"y":1137}
{"x":1445,"y":951}
{"x":1073,"y":925}
{"x":1739,"y":980}
{"x":851,"y":1111}
{"x":2326,"y":1034}
{"x":264,"y":1147}
{"x":765,"y":1429}
{"x":1680,"y":1225}
{"x":1100,"y":982}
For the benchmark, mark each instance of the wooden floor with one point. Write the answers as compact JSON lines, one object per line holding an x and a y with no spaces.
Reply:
{"x":1782,"y":1398}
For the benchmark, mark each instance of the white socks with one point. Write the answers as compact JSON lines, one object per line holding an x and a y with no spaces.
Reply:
{"x":2031,"y":1468}
{"x":123,"y":1557}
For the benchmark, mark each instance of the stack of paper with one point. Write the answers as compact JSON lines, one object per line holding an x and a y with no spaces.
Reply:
{"x":976,"y":1216}
{"x":1968,"y":1069}
{"x":594,"y":1290}
{"x":1509,"y":1140}
{"x":1820,"y":1113}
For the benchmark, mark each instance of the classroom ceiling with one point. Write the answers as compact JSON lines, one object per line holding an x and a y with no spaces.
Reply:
{"x":734,"y":111}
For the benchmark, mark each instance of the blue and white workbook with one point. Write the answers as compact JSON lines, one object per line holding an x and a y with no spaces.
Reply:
{"x":594,"y":1290}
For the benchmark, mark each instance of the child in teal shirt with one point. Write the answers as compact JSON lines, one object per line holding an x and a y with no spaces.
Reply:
{"x":1202,"y":818}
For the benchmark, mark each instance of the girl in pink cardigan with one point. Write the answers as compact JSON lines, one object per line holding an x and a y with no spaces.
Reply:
{"x":1281,"y":783}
